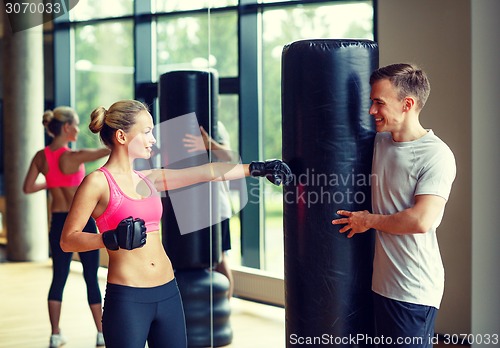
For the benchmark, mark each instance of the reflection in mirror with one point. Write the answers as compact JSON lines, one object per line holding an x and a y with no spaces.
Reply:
{"x":201,"y":34}
{"x":185,"y":53}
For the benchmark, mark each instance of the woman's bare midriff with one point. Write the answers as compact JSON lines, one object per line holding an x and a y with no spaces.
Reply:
{"x":147,"y":266}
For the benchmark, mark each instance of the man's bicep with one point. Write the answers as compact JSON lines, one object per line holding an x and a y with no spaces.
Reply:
{"x":429,"y":208}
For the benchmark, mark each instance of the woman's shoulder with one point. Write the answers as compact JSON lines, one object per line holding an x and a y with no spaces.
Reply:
{"x":94,"y":184}
{"x":67,"y":160}
{"x":95,"y":178}
{"x":39,"y":158}
{"x":40,"y":154}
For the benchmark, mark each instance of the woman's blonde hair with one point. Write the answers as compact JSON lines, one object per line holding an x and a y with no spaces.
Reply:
{"x":54,"y":120}
{"x":120,"y":115}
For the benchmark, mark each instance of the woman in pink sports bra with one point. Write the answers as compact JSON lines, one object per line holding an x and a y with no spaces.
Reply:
{"x":64,"y":171}
{"x":142,"y":301}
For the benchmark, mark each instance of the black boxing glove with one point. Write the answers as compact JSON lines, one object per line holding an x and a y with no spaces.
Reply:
{"x":129,"y":234}
{"x":276,"y":171}
{"x":110,"y":240}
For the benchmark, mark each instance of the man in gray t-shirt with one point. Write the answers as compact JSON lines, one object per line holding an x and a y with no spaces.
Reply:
{"x":412,"y":174}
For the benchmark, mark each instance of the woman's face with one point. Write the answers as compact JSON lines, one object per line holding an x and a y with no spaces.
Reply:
{"x":141,"y":138}
{"x":72,"y":129}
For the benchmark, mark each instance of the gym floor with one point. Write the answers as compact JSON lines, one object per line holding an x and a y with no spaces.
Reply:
{"x":24,"y":319}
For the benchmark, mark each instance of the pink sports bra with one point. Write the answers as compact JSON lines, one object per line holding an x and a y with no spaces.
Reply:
{"x":56,"y":178}
{"x":120,"y":206}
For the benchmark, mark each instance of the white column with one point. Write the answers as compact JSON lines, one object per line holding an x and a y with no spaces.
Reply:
{"x":23,"y":135}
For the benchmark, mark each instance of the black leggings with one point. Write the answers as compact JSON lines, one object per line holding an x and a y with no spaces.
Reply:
{"x":133,"y":315}
{"x":61,"y":261}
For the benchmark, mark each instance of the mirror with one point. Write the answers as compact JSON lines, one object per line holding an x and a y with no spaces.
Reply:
{"x":242,"y":41}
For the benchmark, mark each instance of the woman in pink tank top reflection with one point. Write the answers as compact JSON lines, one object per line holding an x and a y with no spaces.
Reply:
{"x":64,"y":170}
{"x":142,"y":302}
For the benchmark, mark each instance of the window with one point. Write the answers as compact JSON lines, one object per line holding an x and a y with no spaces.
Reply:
{"x":183,"y":5}
{"x":104,"y":72}
{"x":197,"y":42}
{"x":107,"y":65}
{"x":96,"y":9}
{"x":282,"y":26}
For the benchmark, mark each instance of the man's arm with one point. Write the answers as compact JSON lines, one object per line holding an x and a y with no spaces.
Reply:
{"x":206,"y":142}
{"x":417,"y":219}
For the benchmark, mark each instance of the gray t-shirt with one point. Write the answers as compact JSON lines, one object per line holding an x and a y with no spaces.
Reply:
{"x":409,"y":267}
{"x":224,"y":197}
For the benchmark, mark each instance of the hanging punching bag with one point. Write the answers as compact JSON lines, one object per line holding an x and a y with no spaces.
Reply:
{"x":188,"y":99}
{"x":328,"y":142}
{"x":184,"y":93}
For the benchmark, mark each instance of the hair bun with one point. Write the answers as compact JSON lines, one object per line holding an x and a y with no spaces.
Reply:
{"x":48,"y":115}
{"x":97,"y":119}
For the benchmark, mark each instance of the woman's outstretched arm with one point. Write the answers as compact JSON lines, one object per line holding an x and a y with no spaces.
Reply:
{"x":275,"y":171}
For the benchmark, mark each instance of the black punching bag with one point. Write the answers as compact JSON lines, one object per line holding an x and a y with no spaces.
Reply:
{"x":193,"y":252}
{"x":181,"y":93}
{"x":206,"y":307}
{"x":328,"y":142}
